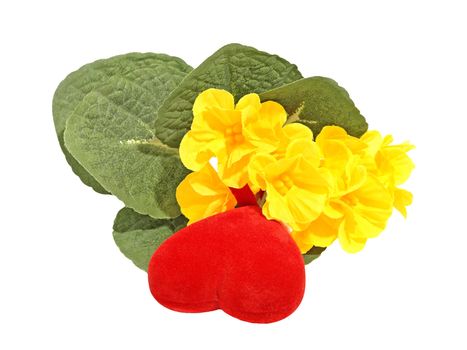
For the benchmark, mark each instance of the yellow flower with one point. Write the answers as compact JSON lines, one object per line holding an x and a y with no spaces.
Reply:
{"x":335,"y":133}
{"x":391,"y":165}
{"x":231,"y":133}
{"x":202,"y":194}
{"x":340,"y":155}
{"x":296,"y":189}
{"x":366,"y":212}
{"x":322,"y":233}
{"x":289,"y":133}
{"x":359,"y":205}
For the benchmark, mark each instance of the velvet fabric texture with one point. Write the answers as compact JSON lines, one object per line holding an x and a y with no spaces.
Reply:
{"x":237,"y":261}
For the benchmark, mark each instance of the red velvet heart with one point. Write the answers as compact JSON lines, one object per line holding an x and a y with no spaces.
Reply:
{"x":236,"y":261}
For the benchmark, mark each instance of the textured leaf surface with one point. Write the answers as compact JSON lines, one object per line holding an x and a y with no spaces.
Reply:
{"x":141,"y":70}
{"x":312,"y":254}
{"x":138,"y":236}
{"x":319,"y":101}
{"x":111,"y":133}
{"x":236,"y":68}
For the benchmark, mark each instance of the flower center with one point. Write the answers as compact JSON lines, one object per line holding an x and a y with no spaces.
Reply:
{"x":350,"y":200}
{"x":233,"y":135}
{"x":283,"y":184}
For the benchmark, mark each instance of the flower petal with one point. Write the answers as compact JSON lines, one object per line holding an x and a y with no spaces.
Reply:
{"x":249,"y":105}
{"x":274,"y":113}
{"x":193,"y":153}
{"x":373,"y":140}
{"x":280,"y":167}
{"x":302,"y":241}
{"x":393,"y":160}
{"x":276,"y":208}
{"x":305,"y":206}
{"x":256,"y":169}
{"x":402,"y":199}
{"x":322,"y":232}
{"x":349,"y":243}
{"x":202,"y":194}
{"x":368,"y":209}
{"x":354,"y":144}
{"x":331,"y":132}
{"x":374,"y":194}
{"x":289,"y":133}
{"x":306,"y":148}
{"x":218,"y":120}
{"x":213,"y":98}
{"x":336,"y":156}
{"x":333,"y":211}
{"x":263,"y":129}
{"x":234,"y":174}
{"x":296,"y":131}
{"x":307,"y":176}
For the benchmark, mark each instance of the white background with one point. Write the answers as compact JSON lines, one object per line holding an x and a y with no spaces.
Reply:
{"x":65,"y":285}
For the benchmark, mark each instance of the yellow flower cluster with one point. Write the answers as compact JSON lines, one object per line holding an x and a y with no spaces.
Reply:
{"x":335,"y":187}
{"x":365,"y":175}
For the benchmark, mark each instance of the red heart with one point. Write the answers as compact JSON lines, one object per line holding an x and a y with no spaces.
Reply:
{"x":237,"y":261}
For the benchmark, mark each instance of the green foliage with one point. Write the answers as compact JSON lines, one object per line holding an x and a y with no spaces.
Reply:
{"x":236,"y":68}
{"x":112,"y":135}
{"x":317,"y":102}
{"x":138,"y":236}
{"x":312,"y":254}
{"x":142,"y":71}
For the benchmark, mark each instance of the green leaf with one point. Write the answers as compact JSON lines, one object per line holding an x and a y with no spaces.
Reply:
{"x":236,"y":68}
{"x":317,"y":102}
{"x":312,"y":254}
{"x":78,"y":169}
{"x":138,"y":236}
{"x":143,"y":71}
{"x":111,"y":134}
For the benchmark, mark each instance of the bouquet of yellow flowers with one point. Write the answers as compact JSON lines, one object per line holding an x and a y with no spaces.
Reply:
{"x":335,"y":186}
